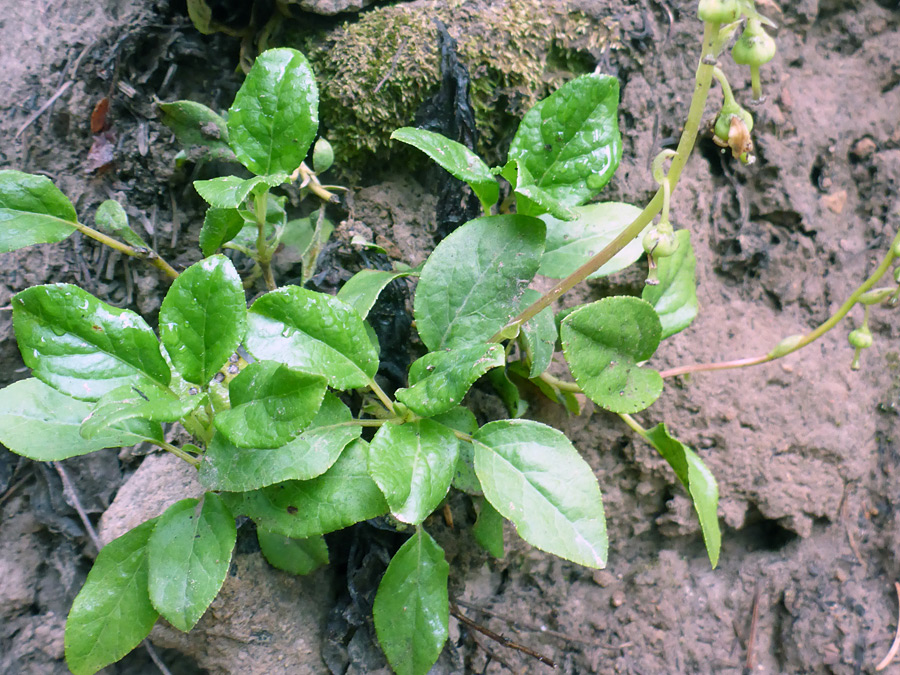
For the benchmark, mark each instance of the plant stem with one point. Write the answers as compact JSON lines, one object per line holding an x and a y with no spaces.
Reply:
{"x":379,"y":392}
{"x":633,"y":423}
{"x":562,"y":385}
{"x":178,"y":452}
{"x":702,"y":84}
{"x":263,"y":254}
{"x":727,"y":93}
{"x":311,"y":181}
{"x":142,"y":254}
{"x":364,"y":423}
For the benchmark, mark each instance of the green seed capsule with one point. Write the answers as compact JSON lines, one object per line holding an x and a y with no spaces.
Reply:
{"x":876,"y":296}
{"x":323,"y":156}
{"x":718,"y":11}
{"x":660,"y":241}
{"x":723,"y":121}
{"x":860,"y":338}
{"x":755,"y":46}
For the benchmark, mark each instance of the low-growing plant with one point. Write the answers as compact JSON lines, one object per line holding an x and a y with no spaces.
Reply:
{"x":264,"y":390}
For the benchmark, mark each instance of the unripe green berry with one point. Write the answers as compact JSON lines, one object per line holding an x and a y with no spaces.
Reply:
{"x":755,"y":46}
{"x":323,"y":156}
{"x":895,"y":249}
{"x":897,"y":274}
{"x":723,"y":121}
{"x":860,"y":338}
{"x":660,"y":241}
{"x":718,"y":11}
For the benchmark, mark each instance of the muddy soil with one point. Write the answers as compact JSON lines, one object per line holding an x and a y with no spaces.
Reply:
{"x":806,"y":452}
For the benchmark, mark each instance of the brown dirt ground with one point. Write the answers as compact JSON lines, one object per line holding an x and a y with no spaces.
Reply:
{"x":805,"y":451}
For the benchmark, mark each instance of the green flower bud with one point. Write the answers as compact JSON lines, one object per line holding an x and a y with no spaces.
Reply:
{"x":755,"y":46}
{"x":323,"y":156}
{"x":861,"y":338}
{"x":876,"y":296}
{"x":660,"y":241}
{"x":718,"y":11}
{"x":786,"y":346}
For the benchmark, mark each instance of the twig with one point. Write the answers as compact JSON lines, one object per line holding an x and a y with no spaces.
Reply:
{"x":75,"y":502}
{"x":12,"y":489}
{"x":492,"y":655}
{"x":151,"y":652}
{"x":40,"y":111}
{"x":393,"y":66}
{"x":895,"y":647}
{"x":749,"y":664}
{"x":506,"y":642}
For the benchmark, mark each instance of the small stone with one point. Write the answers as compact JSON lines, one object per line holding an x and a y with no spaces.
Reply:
{"x":863,"y":148}
{"x":603,"y":578}
{"x":617,"y":599}
{"x":836,"y":201}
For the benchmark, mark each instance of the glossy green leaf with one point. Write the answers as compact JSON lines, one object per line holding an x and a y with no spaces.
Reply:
{"x":275,"y":114}
{"x":219,"y":227}
{"x":227,"y":467}
{"x":363,"y":288}
{"x":32,"y":211}
{"x":603,"y":342}
{"x":230,"y":192}
{"x":297,"y":556}
{"x":413,"y":465}
{"x":131,"y":403}
{"x":38,"y":422}
{"x":532,"y":200}
{"x":488,"y":529}
{"x":697,"y":480}
{"x":270,"y":405}
{"x":313,"y":332}
{"x":440,"y":380}
{"x":112,"y":613}
{"x":197,"y":126}
{"x":571,"y":244}
{"x":203,"y":318}
{"x":569,"y":142}
{"x":535,"y":478}
{"x":472,"y":284}
{"x":411,"y":607}
{"x":508,"y":392}
{"x":342,"y":496}
{"x":189,"y":554}
{"x":111,"y":219}
{"x":456,"y":158}
{"x":675,"y":297}
{"x":464,"y":478}
{"x":538,"y":335}
{"x":82,"y":346}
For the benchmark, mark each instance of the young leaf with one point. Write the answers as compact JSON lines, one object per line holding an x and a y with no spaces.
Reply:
{"x":275,"y":114}
{"x":675,"y":297}
{"x":569,"y":142}
{"x":508,"y":392}
{"x":571,"y":244}
{"x":270,"y":405}
{"x":297,"y":556}
{"x":203,"y":318}
{"x":440,"y":379}
{"x":538,"y":336}
{"x":227,"y":467}
{"x":534,"y":201}
{"x":196,"y":125}
{"x":413,"y":465}
{"x":535,"y":478}
{"x":32,"y":211}
{"x":130,"y":403}
{"x":363,"y":288}
{"x":456,"y":158}
{"x":112,"y":613}
{"x":488,"y":529}
{"x":697,"y":480}
{"x":219,"y":227}
{"x":603,"y":342}
{"x":82,"y":346}
{"x":189,"y":553}
{"x":411,"y":607}
{"x":340,"y":497}
{"x":313,"y":332}
{"x":38,"y":422}
{"x":472,"y":283}
{"x":111,"y":219}
{"x":229,"y":192}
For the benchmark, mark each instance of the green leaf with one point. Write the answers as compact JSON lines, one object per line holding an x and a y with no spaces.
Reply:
{"x":111,"y":219}
{"x":472,"y":284}
{"x":603,"y":342}
{"x":563,"y":398}
{"x":275,"y":114}
{"x":38,"y":422}
{"x":413,"y":465}
{"x":297,"y":556}
{"x":189,"y":554}
{"x":508,"y":392}
{"x":441,"y":379}
{"x":363,"y":288}
{"x":112,"y":613}
{"x":532,"y":200}
{"x":569,"y":143}
{"x":227,"y":467}
{"x":200,"y":14}
{"x":342,"y":496}
{"x":219,"y":227}
{"x":697,"y":480}
{"x":488,"y":529}
{"x":32,"y":211}
{"x":675,"y":297}
{"x":131,"y":403}
{"x":456,"y":158}
{"x":535,"y":478}
{"x":411,"y":607}
{"x":230,"y":192}
{"x":464,"y":478}
{"x":313,"y":332}
{"x":82,"y":346}
{"x":571,"y":244}
{"x":195,"y":125}
{"x":538,"y":335}
{"x":203,"y":318}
